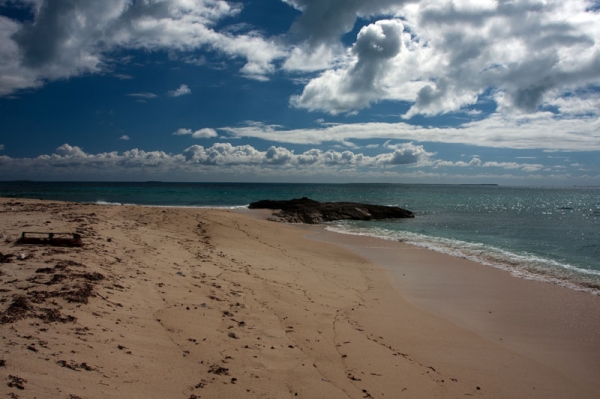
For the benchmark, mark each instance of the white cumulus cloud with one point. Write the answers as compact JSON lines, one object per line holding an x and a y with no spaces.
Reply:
{"x":358,"y":85}
{"x":524,"y":55}
{"x":205,"y":133}
{"x":72,"y":38}
{"x":182,"y":132}
{"x":180,"y":91}
{"x":68,"y":151}
{"x":403,"y":160}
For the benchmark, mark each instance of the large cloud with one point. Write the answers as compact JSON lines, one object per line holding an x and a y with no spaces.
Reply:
{"x":522,"y":54}
{"x":326,"y":20}
{"x":70,"y":38}
{"x":356,"y":87}
{"x":323,"y":22}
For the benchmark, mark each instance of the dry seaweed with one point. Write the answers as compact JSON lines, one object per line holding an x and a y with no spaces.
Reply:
{"x":216,"y":369}
{"x":75,"y":366}
{"x":17,"y":310}
{"x":6,"y":258}
{"x":73,"y":286}
{"x":14,"y":381}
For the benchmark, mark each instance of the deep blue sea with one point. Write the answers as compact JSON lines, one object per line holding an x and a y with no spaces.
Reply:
{"x":549,"y":234}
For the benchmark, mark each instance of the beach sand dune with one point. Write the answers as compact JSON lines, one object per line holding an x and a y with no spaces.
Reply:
{"x":190,"y":303}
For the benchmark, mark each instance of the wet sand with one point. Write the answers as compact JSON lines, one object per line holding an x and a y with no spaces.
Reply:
{"x":554,"y":325}
{"x":188,"y":303}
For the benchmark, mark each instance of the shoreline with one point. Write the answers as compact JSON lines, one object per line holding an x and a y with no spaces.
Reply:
{"x":537,"y":276}
{"x":550,"y":323}
{"x":214,"y":303}
{"x":574,"y":282}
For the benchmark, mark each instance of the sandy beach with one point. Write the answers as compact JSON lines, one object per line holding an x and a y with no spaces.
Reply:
{"x":205,"y":303}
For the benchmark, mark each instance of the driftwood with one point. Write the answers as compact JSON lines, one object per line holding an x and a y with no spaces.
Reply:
{"x":55,"y":239}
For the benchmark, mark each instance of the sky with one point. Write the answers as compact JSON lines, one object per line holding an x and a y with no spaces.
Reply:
{"x":397,"y":91}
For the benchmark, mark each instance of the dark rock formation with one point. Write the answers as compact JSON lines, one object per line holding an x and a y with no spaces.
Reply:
{"x":305,"y":210}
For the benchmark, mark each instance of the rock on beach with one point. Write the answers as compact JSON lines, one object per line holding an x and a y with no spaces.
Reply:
{"x":306,"y":210}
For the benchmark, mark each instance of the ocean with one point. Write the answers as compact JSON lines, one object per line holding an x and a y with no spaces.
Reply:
{"x":542,"y":233}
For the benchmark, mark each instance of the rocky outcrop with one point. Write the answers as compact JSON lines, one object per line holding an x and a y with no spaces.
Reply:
{"x":305,"y":210}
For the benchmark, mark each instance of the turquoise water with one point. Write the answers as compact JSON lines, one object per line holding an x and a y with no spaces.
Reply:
{"x":550,"y":234}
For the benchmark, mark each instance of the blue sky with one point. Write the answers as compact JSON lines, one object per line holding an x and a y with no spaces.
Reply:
{"x":433,"y":91}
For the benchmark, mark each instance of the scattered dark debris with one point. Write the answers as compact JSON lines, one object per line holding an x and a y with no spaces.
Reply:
{"x":367,"y":394}
{"x":201,"y":384}
{"x":54,"y":251}
{"x":73,"y":286}
{"x":20,"y":308}
{"x":56,"y":278}
{"x":2,"y":363}
{"x":74,"y":397}
{"x":78,"y":295}
{"x":93,"y":276}
{"x":38,"y":297}
{"x":82,"y":331}
{"x":14,"y":381}
{"x":45,"y":270}
{"x":52,"y":315}
{"x":216,"y":369}
{"x":64,"y":263}
{"x":232,"y":335}
{"x":17,"y":310}
{"x":75,"y":366}
{"x":6,"y":258}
